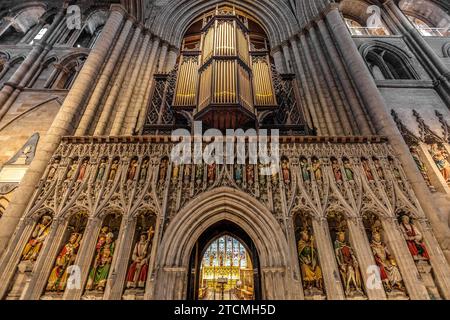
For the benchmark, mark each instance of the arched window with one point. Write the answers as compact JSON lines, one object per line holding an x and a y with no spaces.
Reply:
{"x":428,"y":18}
{"x":44,"y":74}
{"x":18,"y":24}
{"x":66,"y":73}
{"x":9,"y":69}
{"x":386,"y":63}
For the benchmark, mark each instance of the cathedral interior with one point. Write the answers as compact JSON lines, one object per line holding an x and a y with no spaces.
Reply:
{"x":94,"y":207}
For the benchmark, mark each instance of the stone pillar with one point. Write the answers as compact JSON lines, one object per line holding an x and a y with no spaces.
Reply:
{"x":163,"y":57}
{"x":304,"y":84}
{"x":63,"y":124}
{"x":361,"y":123}
{"x":142,"y":102}
{"x":103,"y":81}
{"x":382,"y":120}
{"x":116,"y":88}
{"x":366,"y":260}
{"x":327,"y":259}
{"x":324,"y":104}
{"x":287,"y":57}
{"x":172,"y":58}
{"x":11,"y":84}
{"x":396,"y":243}
{"x":331,"y":84}
{"x":125,"y":98}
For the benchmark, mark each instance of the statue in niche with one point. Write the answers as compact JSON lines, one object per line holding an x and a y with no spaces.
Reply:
{"x":175,"y":172}
{"x":336,"y":170}
{"x":138,"y":271}
{"x":420,"y":164}
{"x":211,"y":172}
{"x":199,"y":173}
{"x":317,"y":169}
{"x":72,"y":170}
{"x":238,"y":173}
{"x":414,"y":239}
{"x":379,"y":168}
{"x":250,"y":174}
{"x":389,"y":271}
{"x":163,"y":167}
{"x":144,"y":170}
{"x":306,"y":173}
{"x":275,"y":170}
{"x":113,"y":170}
{"x":367,"y":169}
{"x":349,"y":175}
{"x":440,"y":157}
{"x":101,"y":170}
{"x":187,"y":173}
{"x":40,"y":233}
{"x":286,"y":171}
{"x":132,"y":169}
{"x":99,"y":272}
{"x":348,"y":265}
{"x":58,"y":277}
{"x":395,"y":170}
{"x":53,"y":169}
{"x":309,"y":264}
{"x":83,"y":169}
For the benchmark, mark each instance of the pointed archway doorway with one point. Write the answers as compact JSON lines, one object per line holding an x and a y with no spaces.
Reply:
{"x":208,"y":213}
{"x":224,"y":265}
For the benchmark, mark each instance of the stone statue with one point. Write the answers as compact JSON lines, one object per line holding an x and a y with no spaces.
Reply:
{"x":102,"y":263}
{"x":285,"y":171}
{"x":250,"y":174}
{"x":317,"y":169}
{"x":336,"y":171}
{"x":187,"y":173}
{"x":71,"y":172}
{"x":113,"y":171}
{"x":101,"y":170}
{"x":83,"y":169}
{"x":143,"y":172}
{"x":138,"y":270}
{"x":132,"y":169}
{"x":309,"y":264}
{"x":348,"y":171}
{"x":389,"y":271}
{"x":66,"y":257}
{"x":440,"y":157}
{"x":211,"y":172}
{"x":40,"y":233}
{"x":238,"y":173}
{"x":199,"y":173}
{"x":367,"y":170}
{"x":306,"y":173}
{"x":163,"y":170}
{"x":414,"y":239}
{"x":348,"y":265}
{"x":379,"y":169}
{"x":53,"y":169}
{"x":261,"y":176}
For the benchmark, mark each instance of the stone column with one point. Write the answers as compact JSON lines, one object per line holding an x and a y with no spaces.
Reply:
{"x":11,"y":84}
{"x":360,"y":122}
{"x":163,"y":57}
{"x":63,"y":124}
{"x":125,"y":98}
{"x":172,"y":58}
{"x":331,"y":84}
{"x":143,"y":101}
{"x":116,"y":88}
{"x":324,"y":104}
{"x":304,"y":84}
{"x":287,"y":57}
{"x":366,"y":260}
{"x":327,"y":259}
{"x":103,"y":81}
{"x":382,"y":120}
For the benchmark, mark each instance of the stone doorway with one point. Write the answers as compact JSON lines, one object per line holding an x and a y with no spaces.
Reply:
{"x":224,"y":265}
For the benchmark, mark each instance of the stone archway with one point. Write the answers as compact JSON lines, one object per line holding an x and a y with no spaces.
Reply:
{"x":225,"y":204}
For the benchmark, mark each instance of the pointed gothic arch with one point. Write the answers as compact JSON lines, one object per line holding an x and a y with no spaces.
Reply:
{"x":225,"y":204}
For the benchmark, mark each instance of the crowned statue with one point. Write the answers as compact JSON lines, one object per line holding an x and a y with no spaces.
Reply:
{"x":102,"y":262}
{"x":309,"y":264}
